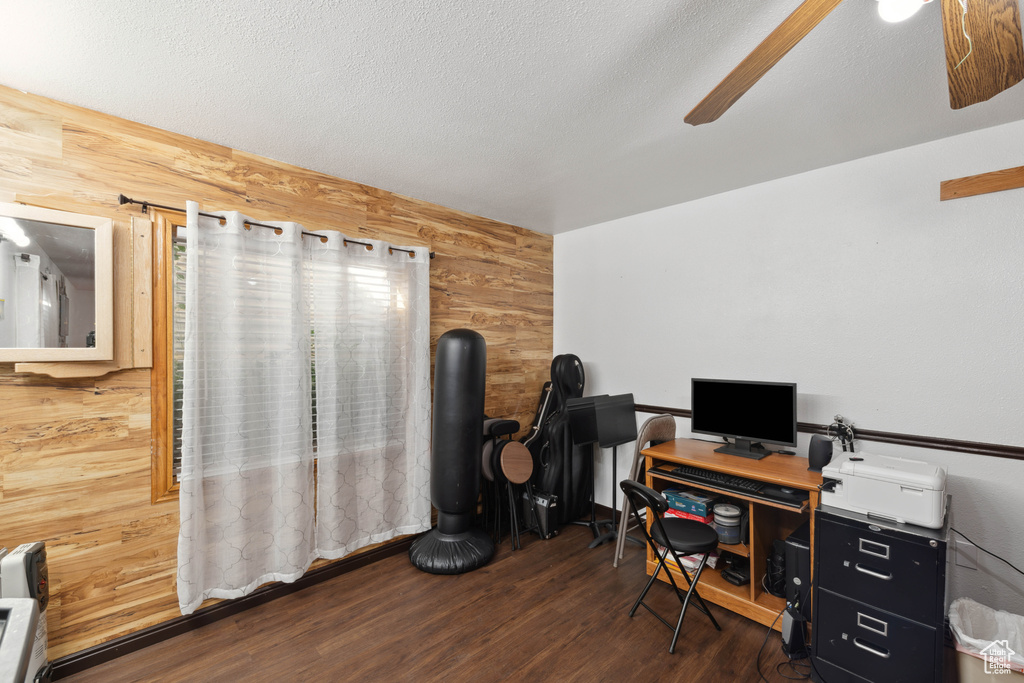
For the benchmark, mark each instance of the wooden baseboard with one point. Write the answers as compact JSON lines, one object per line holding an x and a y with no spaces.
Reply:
{"x":104,"y":652}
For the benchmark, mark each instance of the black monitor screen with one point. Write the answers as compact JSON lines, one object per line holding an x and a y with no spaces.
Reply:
{"x":755,"y":411}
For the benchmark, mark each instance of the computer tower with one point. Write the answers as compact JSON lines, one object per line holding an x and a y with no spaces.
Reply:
{"x":798,"y":569}
{"x":798,"y":592}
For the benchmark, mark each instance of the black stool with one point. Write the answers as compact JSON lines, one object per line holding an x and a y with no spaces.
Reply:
{"x":675,"y":535}
{"x":506,"y":464}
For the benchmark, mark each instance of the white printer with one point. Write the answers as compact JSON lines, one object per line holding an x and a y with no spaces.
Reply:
{"x":905,"y":490}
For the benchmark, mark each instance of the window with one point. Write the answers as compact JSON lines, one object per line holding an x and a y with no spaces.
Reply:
{"x":373,"y":291}
{"x":168,"y":352}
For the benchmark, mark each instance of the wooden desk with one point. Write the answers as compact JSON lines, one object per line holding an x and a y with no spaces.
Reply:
{"x":767,"y":520}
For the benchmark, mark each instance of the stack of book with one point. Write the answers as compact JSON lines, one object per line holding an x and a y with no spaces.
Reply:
{"x":689,"y":561}
{"x":695,"y":505}
{"x":690,"y":504}
{"x":682,"y":514}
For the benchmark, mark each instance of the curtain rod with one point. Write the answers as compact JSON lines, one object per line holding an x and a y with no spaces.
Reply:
{"x":122,"y":200}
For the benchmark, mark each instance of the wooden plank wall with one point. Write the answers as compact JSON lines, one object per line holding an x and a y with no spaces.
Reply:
{"x":75,"y":454}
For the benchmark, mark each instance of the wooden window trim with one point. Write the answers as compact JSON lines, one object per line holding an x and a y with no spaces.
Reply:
{"x":164,"y":488}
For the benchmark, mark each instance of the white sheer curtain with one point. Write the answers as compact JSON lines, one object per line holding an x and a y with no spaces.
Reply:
{"x":253,"y":299}
{"x":246,"y":494}
{"x":372,"y":353}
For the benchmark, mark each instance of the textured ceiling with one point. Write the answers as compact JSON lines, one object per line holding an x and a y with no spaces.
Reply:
{"x":548,"y":115}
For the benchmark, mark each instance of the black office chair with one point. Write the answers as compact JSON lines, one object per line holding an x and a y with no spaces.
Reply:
{"x":684,"y":536}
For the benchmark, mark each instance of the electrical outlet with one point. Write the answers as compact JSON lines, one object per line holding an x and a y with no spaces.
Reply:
{"x":966,"y":554}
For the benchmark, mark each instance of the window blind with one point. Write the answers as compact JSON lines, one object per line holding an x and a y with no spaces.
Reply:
{"x":178,"y":341}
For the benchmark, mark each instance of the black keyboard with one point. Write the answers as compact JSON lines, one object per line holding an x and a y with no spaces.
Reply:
{"x":719,"y":479}
{"x":741,"y":485}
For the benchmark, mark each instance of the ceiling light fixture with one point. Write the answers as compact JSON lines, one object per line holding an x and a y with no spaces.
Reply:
{"x":899,"y":10}
{"x":10,"y":228}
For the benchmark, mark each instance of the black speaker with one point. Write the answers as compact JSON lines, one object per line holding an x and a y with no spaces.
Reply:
{"x":794,"y":639}
{"x":775,"y":581}
{"x":820,"y":452}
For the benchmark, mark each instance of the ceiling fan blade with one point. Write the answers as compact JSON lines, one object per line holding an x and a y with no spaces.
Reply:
{"x":755,"y":65}
{"x":994,"y":55}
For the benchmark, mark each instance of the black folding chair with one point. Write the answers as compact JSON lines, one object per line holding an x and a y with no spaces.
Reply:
{"x":675,"y":536}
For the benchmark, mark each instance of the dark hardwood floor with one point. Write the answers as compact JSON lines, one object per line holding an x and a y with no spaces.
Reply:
{"x":553,"y":611}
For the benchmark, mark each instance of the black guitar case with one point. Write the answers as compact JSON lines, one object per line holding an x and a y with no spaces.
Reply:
{"x":560,"y":468}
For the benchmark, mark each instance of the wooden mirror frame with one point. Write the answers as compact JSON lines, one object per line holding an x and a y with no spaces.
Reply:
{"x":104,"y":287}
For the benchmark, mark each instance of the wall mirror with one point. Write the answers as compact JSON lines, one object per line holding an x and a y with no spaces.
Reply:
{"x":56,"y":285}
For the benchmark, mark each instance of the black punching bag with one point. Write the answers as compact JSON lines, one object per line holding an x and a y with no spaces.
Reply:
{"x":454,"y":546}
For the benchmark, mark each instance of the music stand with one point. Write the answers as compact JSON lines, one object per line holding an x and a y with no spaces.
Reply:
{"x":616,"y":425}
{"x":583,"y":426}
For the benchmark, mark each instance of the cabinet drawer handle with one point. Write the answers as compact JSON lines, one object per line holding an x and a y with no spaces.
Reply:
{"x":869,"y":547}
{"x":872,"y":572}
{"x":873,"y":649}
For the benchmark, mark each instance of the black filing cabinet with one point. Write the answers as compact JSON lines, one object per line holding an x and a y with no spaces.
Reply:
{"x":879,"y":599}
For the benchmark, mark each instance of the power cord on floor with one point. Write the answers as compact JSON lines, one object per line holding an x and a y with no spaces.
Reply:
{"x":801,"y":675}
{"x":757,"y":662}
{"x":1011,"y":566}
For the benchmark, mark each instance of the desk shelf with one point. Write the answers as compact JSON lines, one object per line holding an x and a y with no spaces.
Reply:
{"x":741,"y":549}
{"x":750,"y":600}
{"x":767,"y":520}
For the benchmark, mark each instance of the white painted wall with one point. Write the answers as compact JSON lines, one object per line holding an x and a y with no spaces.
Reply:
{"x":7,"y":295}
{"x":82,"y":317}
{"x":885,"y":305}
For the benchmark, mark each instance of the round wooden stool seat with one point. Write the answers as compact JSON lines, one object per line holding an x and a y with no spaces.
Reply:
{"x":516,"y":462}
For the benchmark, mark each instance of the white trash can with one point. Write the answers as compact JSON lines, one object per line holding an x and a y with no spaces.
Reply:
{"x":989,"y":642}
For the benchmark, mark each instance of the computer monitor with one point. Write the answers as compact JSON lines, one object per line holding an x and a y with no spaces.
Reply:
{"x":749,"y":412}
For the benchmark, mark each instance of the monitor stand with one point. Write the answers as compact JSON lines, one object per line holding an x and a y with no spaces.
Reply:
{"x":744,"y":448}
